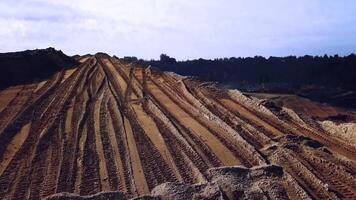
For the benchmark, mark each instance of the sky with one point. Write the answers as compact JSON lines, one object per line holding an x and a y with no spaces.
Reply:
{"x":184,"y":29}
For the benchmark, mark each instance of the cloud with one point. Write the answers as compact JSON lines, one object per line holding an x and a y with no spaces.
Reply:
{"x":184,"y":28}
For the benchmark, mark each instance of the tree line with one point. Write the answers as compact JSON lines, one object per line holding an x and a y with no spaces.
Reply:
{"x":273,"y":73}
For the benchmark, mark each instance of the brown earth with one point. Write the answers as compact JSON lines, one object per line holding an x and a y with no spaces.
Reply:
{"x":108,"y":130}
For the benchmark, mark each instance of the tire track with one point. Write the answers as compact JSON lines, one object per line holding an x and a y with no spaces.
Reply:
{"x":155,"y":172}
{"x":248,"y":132}
{"x":103,"y":171}
{"x":49,"y":184}
{"x":91,"y":182}
{"x":218,"y":148}
{"x":109,"y":126}
{"x":151,"y":130}
{"x":184,"y":155}
{"x":43,"y":122}
{"x":224,"y":133}
{"x":122,"y":145}
{"x":73,"y":128}
{"x":108,"y":151}
{"x":117,"y":177}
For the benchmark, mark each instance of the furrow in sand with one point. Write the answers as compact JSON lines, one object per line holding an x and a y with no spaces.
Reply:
{"x":31,"y":148}
{"x":25,"y":115}
{"x":122,"y":127}
{"x":49,"y":184}
{"x":40,"y":163}
{"x":138,"y":173}
{"x":16,"y":174}
{"x":122,"y":145}
{"x":68,"y":73}
{"x":74,"y":123}
{"x":92,"y":172}
{"x":74,"y":160}
{"x":155,"y":136}
{"x":65,"y":181}
{"x":151,"y":145}
{"x":14,"y":146}
{"x":223,"y":153}
{"x":68,"y":121}
{"x":124,"y":72}
{"x":7,"y":95}
{"x":331,"y":142}
{"x":90,"y":183}
{"x":195,"y":151}
{"x":15,"y":106}
{"x":335,"y":176}
{"x":107,"y":147}
{"x":194,"y":140}
{"x":224,"y":133}
{"x":235,"y":107}
{"x":248,"y":132}
{"x":40,"y":85}
{"x":116,"y":155}
{"x":80,"y":158}
{"x":108,"y":126}
{"x":10,"y":176}
{"x":47,"y":121}
{"x":189,"y":164}
{"x":113,"y":71}
{"x":305,"y":178}
{"x":104,"y":177}
{"x":155,"y":168}
{"x":139,"y":180}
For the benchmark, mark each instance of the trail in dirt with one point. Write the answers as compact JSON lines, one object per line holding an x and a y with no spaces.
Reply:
{"x":333,"y":143}
{"x":138,"y":173}
{"x":14,"y":146}
{"x":116,"y":155}
{"x":121,"y":143}
{"x":40,"y":85}
{"x":79,"y":173}
{"x":137,"y":169}
{"x":247,"y":131}
{"x":218,"y":148}
{"x":225,"y":134}
{"x":7,"y":95}
{"x":154,"y":134}
{"x":111,"y":126}
{"x":231,"y":105}
{"x":104,"y":177}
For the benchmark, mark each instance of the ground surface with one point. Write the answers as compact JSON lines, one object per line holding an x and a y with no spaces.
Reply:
{"x":107,"y":126}
{"x":305,"y":106}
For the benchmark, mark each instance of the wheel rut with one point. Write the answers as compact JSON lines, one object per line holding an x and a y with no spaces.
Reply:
{"x":109,"y":126}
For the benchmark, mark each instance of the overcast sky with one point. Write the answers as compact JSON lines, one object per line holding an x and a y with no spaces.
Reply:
{"x":180,"y":28}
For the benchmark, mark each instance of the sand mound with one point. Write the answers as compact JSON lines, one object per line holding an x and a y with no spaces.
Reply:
{"x":262,"y":182}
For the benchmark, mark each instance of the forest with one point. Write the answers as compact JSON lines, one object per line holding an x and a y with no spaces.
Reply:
{"x":327,"y":79}
{"x":270,"y":74}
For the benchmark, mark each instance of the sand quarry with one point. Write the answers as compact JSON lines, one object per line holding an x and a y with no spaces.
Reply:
{"x":112,"y":130}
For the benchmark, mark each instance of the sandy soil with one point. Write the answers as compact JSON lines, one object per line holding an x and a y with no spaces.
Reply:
{"x":219,"y":149}
{"x":138,"y":175}
{"x":79,"y":175}
{"x":14,"y":146}
{"x":99,"y":147}
{"x":68,"y":73}
{"x":98,"y":129}
{"x":7,"y":95}
{"x":117,"y":156}
{"x":243,"y":111}
{"x":154,"y":134}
